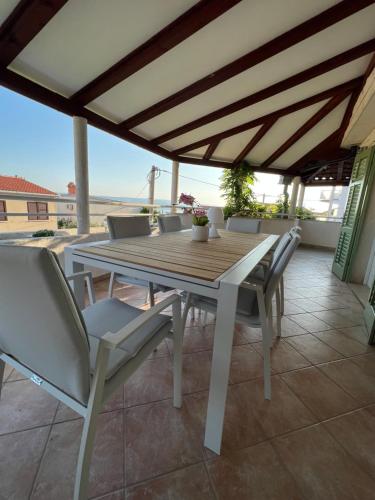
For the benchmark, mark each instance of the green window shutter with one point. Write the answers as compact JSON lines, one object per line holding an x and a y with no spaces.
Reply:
{"x":354,"y":212}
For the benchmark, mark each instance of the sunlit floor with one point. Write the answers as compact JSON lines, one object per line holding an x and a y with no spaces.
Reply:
{"x":314,"y":440}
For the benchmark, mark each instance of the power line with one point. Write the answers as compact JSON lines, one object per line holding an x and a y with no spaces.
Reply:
{"x":192,"y":179}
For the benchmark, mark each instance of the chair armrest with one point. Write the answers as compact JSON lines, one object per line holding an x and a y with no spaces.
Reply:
{"x":113,"y":340}
{"x":87,"y":276}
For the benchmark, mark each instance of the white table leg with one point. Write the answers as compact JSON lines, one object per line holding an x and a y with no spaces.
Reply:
{"x":78,"y":286}
{"x":222,"y":353}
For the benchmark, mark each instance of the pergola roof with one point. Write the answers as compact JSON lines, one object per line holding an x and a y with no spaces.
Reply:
{"x":209,"y":82}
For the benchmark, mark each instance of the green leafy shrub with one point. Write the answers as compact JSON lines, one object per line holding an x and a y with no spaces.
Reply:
{"x":43,"y":233}
{"x":66,"y":224}
{"x":236,"y":183}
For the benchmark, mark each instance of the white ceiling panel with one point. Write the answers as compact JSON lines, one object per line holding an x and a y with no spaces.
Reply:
{"x":281,"y":131}
{"x":178,"y":68}
{"x":86,"y":37}
{"x":6,"y":8}
{"x":307,"y":89}
{"x":316,"y":135}
{"x":219,"y":43}
{"x":230,"y":148}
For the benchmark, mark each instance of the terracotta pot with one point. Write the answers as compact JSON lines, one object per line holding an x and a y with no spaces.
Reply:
{"x":200,"y":233}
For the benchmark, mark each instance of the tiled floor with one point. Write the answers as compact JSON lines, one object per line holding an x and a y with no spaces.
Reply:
{"x":314,"y":440}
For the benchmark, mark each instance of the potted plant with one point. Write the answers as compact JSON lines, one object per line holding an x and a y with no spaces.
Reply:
{"x":200,"y":219}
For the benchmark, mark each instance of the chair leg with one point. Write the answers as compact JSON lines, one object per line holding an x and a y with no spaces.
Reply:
{"x":88,"y":433}
{"x":2,"y":368}
{"x":151,"y":293}
{"x":278,"y":312}
{"x":282,"y":296}
{"x":205,"y":316}
{"x":111,"y":285}
{"x":178,"y":334}
{"x":186,"y":311}
{"x":84,"y":457}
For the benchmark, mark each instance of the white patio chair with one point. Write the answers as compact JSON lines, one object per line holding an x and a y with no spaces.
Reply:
{"x":254,"y":307}
{"x":243,"y":225}
{"x":169,"y":223}
{"x":128,"y":227}
{"x":79,"y":358}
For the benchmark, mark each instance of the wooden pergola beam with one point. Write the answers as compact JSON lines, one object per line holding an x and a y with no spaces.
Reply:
{"x":210,"y":150}
{"x":224,"y":164}
{"x":254,"y":141}
{"x":338,"y":89}
{"x":292,"y":81}
{"x":198,"y":16}
{"x":23,"y":24}
{"x":329,"y":144}
{"x":311,"y":27}
{"x":308,"y":125}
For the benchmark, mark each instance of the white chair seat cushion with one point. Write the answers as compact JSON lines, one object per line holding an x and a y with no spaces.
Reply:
{"x":111,"y":315}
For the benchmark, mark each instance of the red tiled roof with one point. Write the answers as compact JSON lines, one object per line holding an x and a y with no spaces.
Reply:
{"x":8,"y":183}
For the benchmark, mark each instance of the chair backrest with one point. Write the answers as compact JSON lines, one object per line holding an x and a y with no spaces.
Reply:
{"x":243,"y":225}
{"x":281,"y":246}
{"x":296,"y":230}
{"x":40,"y":324}
{"x":126,"y":227}
{"x":279,"y":269}
{"x":169,"y":223}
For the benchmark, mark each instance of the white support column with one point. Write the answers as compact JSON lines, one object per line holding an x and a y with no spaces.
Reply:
{"x":151,"y":191}
{"x":301,"y":195}
{"x":151,"y":186}
{"x":330,"y":203}
{"x":174,"y":185}
{"x":293,"y":198}
{"x":81,"y":174}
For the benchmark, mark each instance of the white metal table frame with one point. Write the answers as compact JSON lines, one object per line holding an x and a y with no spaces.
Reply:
{"x":224,"y":289}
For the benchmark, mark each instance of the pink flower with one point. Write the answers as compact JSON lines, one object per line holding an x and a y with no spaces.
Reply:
{"x":199,"y":212}
{"x":187,"y":199}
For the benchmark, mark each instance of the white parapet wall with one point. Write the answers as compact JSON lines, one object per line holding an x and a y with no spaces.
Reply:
{"x":58,"y":243}
{"x":320,"y":233}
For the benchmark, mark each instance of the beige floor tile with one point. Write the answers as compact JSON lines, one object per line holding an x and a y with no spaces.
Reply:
{"x":284,"y":357}
{"x":57,"y":471}
{"x":337,"y":318}
{"x":341,"y":343}
{"x":283,"y":413}
{"x":291,"y":307}
{"x":309,"y":322}
{"x":290,"y":328}
{"x":25,"y":405}
{"x":321,"y":468}
{"x":355,"y":432}
{"x":160,"y":438}
{"x":254,"y":473}
{"x":246,"y":364}
{"x":352,"y":376}
{"x":152,"y":381}
{"x":196,"y":370}
{"x":313,"y":349}
{"x":358,"y":333}
{"x":196,"y":338}
{"x":308,"y":305}
{"x":20,"y":454}
{"x":323,"y":397}
{"x":190,"y":483}
{"x":241,"y":427}
{"x":247,"y":334}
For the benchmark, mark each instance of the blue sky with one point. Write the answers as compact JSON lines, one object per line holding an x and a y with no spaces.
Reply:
{"x":36,"y":142}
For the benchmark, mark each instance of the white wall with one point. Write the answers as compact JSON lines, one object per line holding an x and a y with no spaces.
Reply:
{"x":319,"y":233}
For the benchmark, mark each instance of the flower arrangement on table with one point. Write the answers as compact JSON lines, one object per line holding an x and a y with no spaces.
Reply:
{"x":200,"y":219}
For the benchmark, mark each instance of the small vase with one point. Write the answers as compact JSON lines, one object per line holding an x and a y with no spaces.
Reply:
{"x":200,"y":233}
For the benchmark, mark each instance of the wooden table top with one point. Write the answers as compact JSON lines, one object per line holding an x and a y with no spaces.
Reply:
{"x":177,"y":253}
